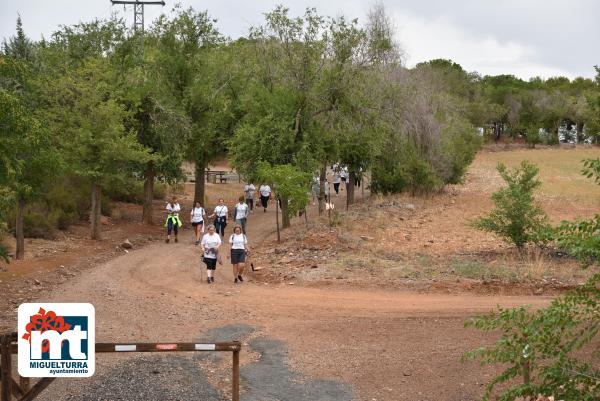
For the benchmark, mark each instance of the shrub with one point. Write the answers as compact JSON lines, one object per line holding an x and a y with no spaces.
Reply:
{"x":130,"y":191}
{"x":532,"y":136}
{"x":4,"y":253}
{"x":400,"y":169}
{"x":160,"y":190}
{"x":516,"y":218}
{"x":39,"y":225}
{"x":544,"y":347}
{"x":580,"y":238}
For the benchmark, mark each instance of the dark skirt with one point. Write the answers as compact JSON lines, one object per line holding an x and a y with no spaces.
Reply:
{"x":238,"y":256}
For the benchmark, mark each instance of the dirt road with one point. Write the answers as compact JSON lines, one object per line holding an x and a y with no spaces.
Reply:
{"x":338,"y":343}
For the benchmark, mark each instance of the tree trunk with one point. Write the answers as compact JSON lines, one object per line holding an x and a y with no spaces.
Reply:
{"x":580,"y":137}
{"x":277,"y":218}
{"x":19,"y":232}
{"x":350,"y":188}
{"x":322,"y":179}
{"x":96,"y":210}
{"x":200,"y":183}
{"x":149,"y":176}
{"x":285,"y":216}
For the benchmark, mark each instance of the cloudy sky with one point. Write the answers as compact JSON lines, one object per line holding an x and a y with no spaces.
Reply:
{"x":522,"y":37}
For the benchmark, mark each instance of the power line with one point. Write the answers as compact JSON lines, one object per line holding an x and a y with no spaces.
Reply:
{"x":138,"y":10}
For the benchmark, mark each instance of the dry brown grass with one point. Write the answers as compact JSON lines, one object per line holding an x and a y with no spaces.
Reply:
{"x":560,"y":171}
{"x":428,"y":238}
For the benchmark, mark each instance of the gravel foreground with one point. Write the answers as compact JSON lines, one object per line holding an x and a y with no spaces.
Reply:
{"x":179,"y":377}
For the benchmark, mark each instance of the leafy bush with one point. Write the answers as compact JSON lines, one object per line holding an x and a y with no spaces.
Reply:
{"x":4,"y":253}
{"x":591,"y":169}
{"x":131,"y":191}
{"x":160,"y":191}
{"x":460,"y":145}
{"x":543,"y":347}
{"x":400,"y":169}
{"x":516,"y":218}
{"x":580,"y":238}
{"x":532,"y":136}
{"x":39,"y":225}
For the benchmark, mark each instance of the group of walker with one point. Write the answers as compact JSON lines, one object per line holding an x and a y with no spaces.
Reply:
{"x":211,"y":241}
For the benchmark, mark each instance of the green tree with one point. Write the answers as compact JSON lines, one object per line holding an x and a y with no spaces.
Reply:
{"x":544,"y":347}
{"x":191,"y":57}
{"x":31,"y":144}
{"x":517,"y":219}
{"x":19,"y":46}
{"x":290,"y":185}
{"x":91,"y":121}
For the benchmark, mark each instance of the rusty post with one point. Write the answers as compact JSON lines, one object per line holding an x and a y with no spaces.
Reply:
{"x":6,"y":368}
{"x":235,"y":387}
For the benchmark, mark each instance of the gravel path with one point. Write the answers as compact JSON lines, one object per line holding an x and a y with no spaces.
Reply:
{"x":179,"y":377}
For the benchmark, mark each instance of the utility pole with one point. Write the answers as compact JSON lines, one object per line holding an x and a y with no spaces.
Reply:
{"x":138,"y":10}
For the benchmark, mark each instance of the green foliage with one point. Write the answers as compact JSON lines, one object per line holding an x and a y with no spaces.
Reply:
{"x":591,"y":169}
{"x":516,"y":218}
{"x":96,"y":144}
{"x":288,"y":183}
{"x":544,"y":348}
{"x":401,"y":168}
{"x":580,"y":238}
{"x":4,"y":253}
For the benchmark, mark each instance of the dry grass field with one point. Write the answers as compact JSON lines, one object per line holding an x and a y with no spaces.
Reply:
{"x":560,"y":171}
{"x":427,"y":242}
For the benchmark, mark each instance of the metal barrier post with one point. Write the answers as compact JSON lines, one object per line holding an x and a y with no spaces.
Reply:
{"x":6,"y":368}
{"x":24,"y":392}
{"x":235,"y":384}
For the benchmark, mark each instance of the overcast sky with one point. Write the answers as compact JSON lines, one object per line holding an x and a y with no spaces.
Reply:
{"x":522,"y":37}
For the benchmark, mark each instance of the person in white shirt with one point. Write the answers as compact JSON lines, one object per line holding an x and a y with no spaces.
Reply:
{"x":220,"y":217}
{"x":315,"y":188}
{"x":197,"y":216}
{"x":211,"y":242}
{"x":173,"y":222}
{"x":239,"y":249}
{"x":344,"y":175}
{"x":265,"y":195}
{"x":240,"y":214}
{"x":249,"y":190}
{"x":337,"y":179}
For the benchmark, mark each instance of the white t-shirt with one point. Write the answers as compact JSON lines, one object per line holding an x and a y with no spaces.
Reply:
{"x":238,"y":241}
{"x":265,"y":190}
{"x":249,"y":190}
{"x":337,"y":178}
{"x":241,"y":211}
{"x":221,"y":211}
{"x":173,"y":209}
{"x":197,"y":215}
{"x":211,"y":241}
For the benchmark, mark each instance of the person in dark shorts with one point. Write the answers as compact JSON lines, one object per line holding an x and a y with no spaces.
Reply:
{"x":211,"y":242}
{"x":249,"y":190}
{"x":197,"y":216}
{"x":265,"y":195}
{"x":239,"y":249}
